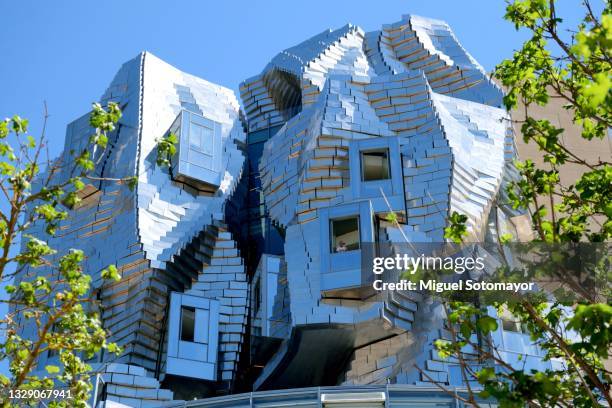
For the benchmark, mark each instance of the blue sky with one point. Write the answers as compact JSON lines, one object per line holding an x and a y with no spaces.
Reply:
{"x":67,"y":52}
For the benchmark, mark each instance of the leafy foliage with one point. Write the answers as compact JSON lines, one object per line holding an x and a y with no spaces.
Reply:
{"x":456,"y":230}
{"x":577,"y":333}
{"x":166,"y":149}
{"x":51,"y":297}
{"x":581,"y":76}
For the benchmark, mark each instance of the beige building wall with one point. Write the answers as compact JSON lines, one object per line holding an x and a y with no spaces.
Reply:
{"x":591,"y":150}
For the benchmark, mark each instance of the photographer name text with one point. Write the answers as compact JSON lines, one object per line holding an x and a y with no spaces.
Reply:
{"x":469,"y":285}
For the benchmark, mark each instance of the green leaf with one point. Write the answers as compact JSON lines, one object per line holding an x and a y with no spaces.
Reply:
{"x":485,"y":375}
{"x":486,"y":324}
{"x":77,"y":183}
{"x":132,"y":182}
{"x":23,"y":354}
{"x":4,"y":380}
{"x":4,"y":130}
{"x":6,"y":169}
{"x":52,"y":369}
{"x":19,"y":125}
{"x":166,"y":149}
{"x":598,"y":90}
{"x":113,"y":348}
{"x":111,"y":273}
{"x":457,"y":228}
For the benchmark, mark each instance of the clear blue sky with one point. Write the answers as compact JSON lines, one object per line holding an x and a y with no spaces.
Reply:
{"x":67,"y":52}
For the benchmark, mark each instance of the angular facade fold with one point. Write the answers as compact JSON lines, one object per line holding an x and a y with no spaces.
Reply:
{"x":241,"y":261}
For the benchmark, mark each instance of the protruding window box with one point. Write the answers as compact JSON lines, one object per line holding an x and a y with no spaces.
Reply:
{"x":346,"y":232}
{"x":198,"y":158}
{"x":375,"y":164}
{"x":193,"y":333}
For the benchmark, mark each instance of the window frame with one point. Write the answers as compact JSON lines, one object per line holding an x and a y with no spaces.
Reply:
{"x":332,"y":238}
{"x":364,"y":152}
{"x":257,"y":297}
{"x":200,"y":147}
{"x":393,"y":186}
{"x":181,"y":327}
{"x":198,"y":161}
{"x":197,"y":359}
{"x":342,"y":270}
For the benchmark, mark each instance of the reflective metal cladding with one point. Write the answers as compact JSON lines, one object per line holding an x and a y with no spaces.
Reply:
{"x":241,"y":261}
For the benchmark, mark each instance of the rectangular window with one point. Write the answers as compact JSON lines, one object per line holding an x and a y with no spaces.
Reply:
{"x":257,"y":297}
{"x":514,"y":326}
{"x":344,"y":234}
{"x":201,"y":138}
{"x":510,"y":323}
{"x":187,"y":323}
{"x":375,"y":165}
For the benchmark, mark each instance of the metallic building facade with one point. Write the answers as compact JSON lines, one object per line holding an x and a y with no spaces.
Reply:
{"x":241,"y":262}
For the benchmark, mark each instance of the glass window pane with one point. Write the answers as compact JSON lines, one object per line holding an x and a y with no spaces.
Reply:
{"x":344,"y":234}
{"x":207,"y":141}
{"x":201,"y":138}
{"x":187,"y":323}
{"x":257,"y":298}
{"x":195,"y":136}
{"x":512,"y":325}
{"x":375,"y":165}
